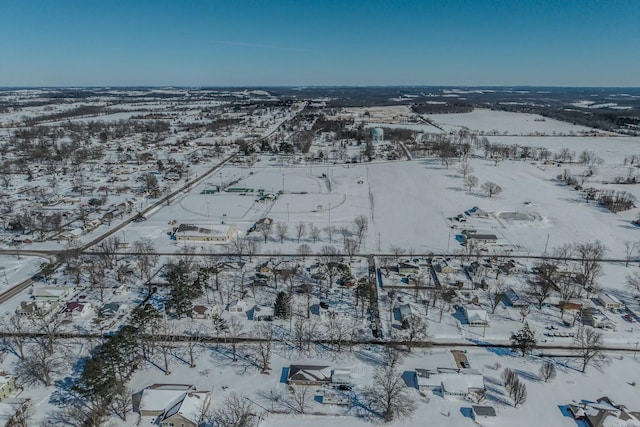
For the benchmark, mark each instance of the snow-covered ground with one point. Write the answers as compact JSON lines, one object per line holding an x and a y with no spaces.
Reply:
{"x":408,"y":204}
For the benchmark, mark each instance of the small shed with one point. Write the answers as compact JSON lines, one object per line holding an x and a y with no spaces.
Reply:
{"x":482,"y":411}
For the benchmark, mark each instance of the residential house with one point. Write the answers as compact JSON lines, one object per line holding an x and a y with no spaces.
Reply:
{"x":449,"y":381}
{"x":513,"y":299}
{"x":112,"y":309}
{"x":475,"y":316}
{"x":238,"y":306}
{"x":204,"y":311}
{"x":604,"y":412}
{"x":36,"y":308}
{"x":314,"y":375}
{"x":441,"y":265}
{"x":407,"y":311}
{"x":157,"y":398}
{"x":13,"y":412}
{"x":188,"y":411}
{"x":7,"y":385}
{"x":75,"y":308}
{"x":263,"y":313}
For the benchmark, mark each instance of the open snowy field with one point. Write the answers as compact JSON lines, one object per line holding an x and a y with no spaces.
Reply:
{"x":408,"y":204}
{"x":483,"y":120}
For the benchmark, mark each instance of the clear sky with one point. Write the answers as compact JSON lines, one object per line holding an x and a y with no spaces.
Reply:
{"x":322,"y":42}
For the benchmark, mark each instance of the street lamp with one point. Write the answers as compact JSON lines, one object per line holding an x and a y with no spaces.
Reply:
{"x":283,"y":183}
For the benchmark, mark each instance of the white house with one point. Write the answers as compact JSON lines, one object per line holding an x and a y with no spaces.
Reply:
{"x":475,"y":316}
{"x":188,"y":411}
{"x":451,"y":382}
{"x":157,"y":398}
{"x":238,"y":306}
{"x":263,"y":313}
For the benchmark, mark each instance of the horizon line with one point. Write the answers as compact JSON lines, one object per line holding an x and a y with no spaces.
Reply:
{"x":311,"y":86}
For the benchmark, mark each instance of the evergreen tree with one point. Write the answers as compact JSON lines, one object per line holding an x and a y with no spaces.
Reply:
{"x":282,"y":308}
{"x":524,"y":340}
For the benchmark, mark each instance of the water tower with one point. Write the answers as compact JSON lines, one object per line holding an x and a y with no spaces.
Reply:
{"x":377,"y":134}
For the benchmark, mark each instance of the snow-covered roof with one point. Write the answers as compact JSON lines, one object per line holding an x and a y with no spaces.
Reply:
{"x":310,"y":373}
{"x":159,"y":399}
{"x":191,"y":407}
{"x":475,"y":314}
{"x":461,"y":383}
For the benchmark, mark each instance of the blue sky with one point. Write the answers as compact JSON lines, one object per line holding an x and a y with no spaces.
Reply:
{"x":323,"y":42}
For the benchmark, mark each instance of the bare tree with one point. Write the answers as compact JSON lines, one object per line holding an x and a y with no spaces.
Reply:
{"x":496,"y":294}
{"x":518,"y":393}
{"x":281,"y":231}
{"x":109,"y":248}
{"x":548,"y":371}
{"x":304,"y":249}
{"x":362,"y":225}
{"x":146,"y":258}
{"x":329,"y":259}
{"x":590,"y":268}
{"x":350,"y":247}
{"x":314,"y":233}
{"x":301,"y":228}
{"x":491,"y":188}
{"x":39,"y":364}
{"x":235,"y":411}
{"x":416,"y":331}
{"x":542,"y":284}
{"x":196,"y":334}
{"x":508,"y":377}
{"x":388,"y":395}
{"x":329,"y":230}
{"x":265,"y":332}
{"x":524,"y":311}
{"x":235,"y":331}
{"x":470,"y":181}
{"x":397,"y":252}
{"x":300,"y":398}
{"x":465,"y":169}
{"x":266,"y":230}
{"x":633,"y":283}
{"x":122,"y":400}
{"x":630,"y":248}
{"x":237,"y":246}
{"x":15,"y":339}
{"x":166,"y":330}
{"x":587,"y":346}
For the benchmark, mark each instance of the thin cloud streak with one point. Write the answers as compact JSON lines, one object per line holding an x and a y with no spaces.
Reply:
{"x":258,"y":46}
